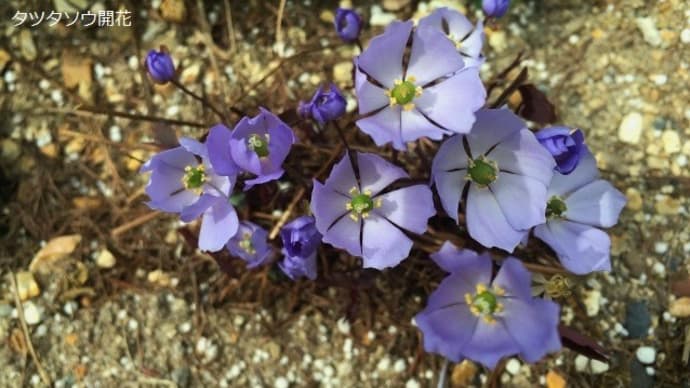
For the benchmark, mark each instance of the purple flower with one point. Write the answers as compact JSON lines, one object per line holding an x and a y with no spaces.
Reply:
{"x":495,"y":8}
{"x":300,"y":242}
{"x":179,"y":183}
{"x":348,"y":24}
{"x":434,"y":95}
{"x":324,"y":106}
{"x":578,"y":205}
{"x":566,"y":147}
{"x":468,"y":39}
{"x":472,"y":316}
{"x":160,"y":66}
{"x":250,"y":244}
{"x":505,"y":172}
{"x":355,"y":212}
{"x":257,"y":145}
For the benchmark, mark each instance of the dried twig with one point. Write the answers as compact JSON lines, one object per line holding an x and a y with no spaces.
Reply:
{"x":20,"y":312}
{"x":279,"y":22}
{"x":134,"y":223}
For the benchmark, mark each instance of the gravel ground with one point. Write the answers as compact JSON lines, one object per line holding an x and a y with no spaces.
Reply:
{"x":135,"y":305}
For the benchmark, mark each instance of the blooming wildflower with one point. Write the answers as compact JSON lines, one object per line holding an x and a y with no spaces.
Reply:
{"x":160,"y":66}
{"x":324,"y":106}
{"x":348,"y":24}
{"x":257,"y":145}
{"x":355,"y":212}
{"x":564,"y":146}
{"x":179,"y":183}
{"x":505,"y":172}
{"x":432,"y":95}
{"x":578,"y":205}
{"x":495,"y":8}
{"x":468,"y":39}
{"x":300,"y":242}
{"x":472,"y":316}
{"x":250,"y":244}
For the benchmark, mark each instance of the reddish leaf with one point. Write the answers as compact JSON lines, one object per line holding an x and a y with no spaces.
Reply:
{"x":582,"y":344}
{"x":535,"y":106}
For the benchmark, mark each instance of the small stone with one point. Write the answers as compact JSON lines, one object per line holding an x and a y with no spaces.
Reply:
{"x":182,"y":377}
{"x":497,"y":41}
{"x":646,"y":354}
{"x":32,"y":313}
{"x":639,"y":377}
{"x":27,"y":287}
{"x":26,"y":45}
{"x":650,"y":32}
{"x":554,"y":380}
{"x":581,"y":363}
{"x":592,"y":302}
{"x":56,"y":249}
{"x":394,"y":5}
{"x":463,"y":373}
{"x":630,"y":129}
{"x":680,"y":307}
{"x":10,"y":150}
{"x":598,"y":367}
{"x":637,"y":319}
{"x":671,"y":141}
{"x":685,"y":35}
{"x":667,"y":205}
{"x":190,"y":74}
{"x":513,"y":366}
{"x":659,"y":79}
{"x":159,"y":278}
{"x":105,"y":259}
{"x":342,"y":72}
{"x":380,"y":18}
{"x":399,"y":365}
{"x":173,"y":10}
{"x":634,"y":199}
{"x":281,"y":382}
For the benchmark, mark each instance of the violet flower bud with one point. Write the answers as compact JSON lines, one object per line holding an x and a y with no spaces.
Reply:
{"x":495,"y":8}
{"x":324,"y":106}
{"x":300,"y":242}
{"x":160,"y":66}
{"x":348,"y":24}
{"x":565,"y":147}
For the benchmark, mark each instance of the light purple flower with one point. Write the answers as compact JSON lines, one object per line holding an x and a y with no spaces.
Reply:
{"x":505,"y":173}
{"x":257,"y":145}
{"x":433,"y":95}
{"x":300,"y":243}
{"x":578,"y":205}
{"x":324,"y":106}
{"x":179,"y":183}
{"x":468,"y":39}
{"x":348,"y":24}
{"x":250,"y":244}
{"x":564,"y":146}
{"x":470,"y":315}
{"x":354,"y":211}
{"x":495,"y":8}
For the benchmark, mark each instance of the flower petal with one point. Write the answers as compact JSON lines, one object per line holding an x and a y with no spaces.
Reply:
{"x":450,"y":156}
{"x":471,"y":267}
{"x":409,"y":207}
{"x":514,"y":278}
{"x":446,"y":330}
{"x":376,"y":173}
{"x":327,"y":206}
{"x":486,"y":222}
{"x":533,"y":326}
{"x":452,"y":103}
{"x":218,"y":225}
{"x":458,"y":24}
{"x":471,"y":46}
{"x":522,"y":154}
{"x":195,"y":210}
{"x":345,"y":235}
{"x":218,"y":143}
{"x":580,"y":248}
{"x":521,"y":198}
{"x":177,"y":158}
{"x":449,"y":186}
{"x":369,"y":96}
{"x":342,"y":178}
{"x":194,"y":147}
{"x":432,"y":56}
{"x":384,"y":127}
{"x":382,"y":60}
{"x":585,"y":172}
{"x":491,"y":127}
{"x":383,"y":244}
{"x":414,"y":125}
{"x":489,"y":343}
{"x":597,"y":203}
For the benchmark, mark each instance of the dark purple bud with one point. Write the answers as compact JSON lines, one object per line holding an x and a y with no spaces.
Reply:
{"x":300,"y":241}
{"x":565,"y":147}
{"x":324,"y":106}
{"x":348,"y":24}
{"x":160,"y":66}
{"x":495,"y":8}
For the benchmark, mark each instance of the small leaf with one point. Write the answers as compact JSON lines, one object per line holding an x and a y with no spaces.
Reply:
{"x":535,"y":106}
{"x":582,"y":344}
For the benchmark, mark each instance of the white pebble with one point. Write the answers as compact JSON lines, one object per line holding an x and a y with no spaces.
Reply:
{"x":581,"y":363}
{"x":650,"y":371}
{"x":399,"y":366}
{"x":659,"y":79}
{"x":599,"y":367}
{"x":649,"y":31}
{"x":32,"y":313}
{"x":115,"y":134}
{"x":685,"y":35}
{"x":10,"y":77}
{"x":412,"y":383}
{"x":281,"y":382}
{"x":573,"y":39}
{"x":513,"y":366}
{"x":384,"y":364}
{"x":56,"y":96}
{"x":646,"y":354}
{"x":660,"y":247}
{"x":343,"y":326}
{"x":659,"y":269}
{"x":630,"y":129}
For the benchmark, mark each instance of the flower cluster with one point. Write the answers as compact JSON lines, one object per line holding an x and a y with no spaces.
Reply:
{"x":504,"y":180}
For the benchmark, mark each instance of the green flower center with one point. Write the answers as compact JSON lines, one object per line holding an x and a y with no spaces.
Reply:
{"x":555,"y":207}
{"x":194,"y":177}
{"x":404,"y":92}
{"x":258,"y":144}
{"x":361,"y":203}
{"x":485,"y":302}
{"x":482,"y":171}
{"x":246,"y":244}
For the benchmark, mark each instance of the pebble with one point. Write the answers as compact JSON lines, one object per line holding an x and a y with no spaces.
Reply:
{"x":639,"y":378}
{"x":592,"y":302}
{"x":9,"y":149}
{"x":581,"y":363}
{"x":649,"y":31}
{"x":680,"y":307}
{"x":27,"y":287}
{"x":399,"y":365}
{"x":598,"y":367}
{"x":637,"y":319}
{"x":685,"y":35}
{"x":281,"y":382}
{"x":342,"y":72}
{"x":412,"y":383}
{"x":671,"y":141}
{"x":343,"y":326}
{"x":380,"y":18}
{"x":659,"y":79}
{"x":105,"y":259}
{"x":513,"y":366}
{"x":630,"y":129}
{"x":115,"y":134}
{"x":32,"y":313}
{"x":646,"y":354}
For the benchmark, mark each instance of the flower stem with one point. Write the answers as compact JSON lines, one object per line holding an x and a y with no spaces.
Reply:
{"x":341,"y":135}
{"x":206,"y":102}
